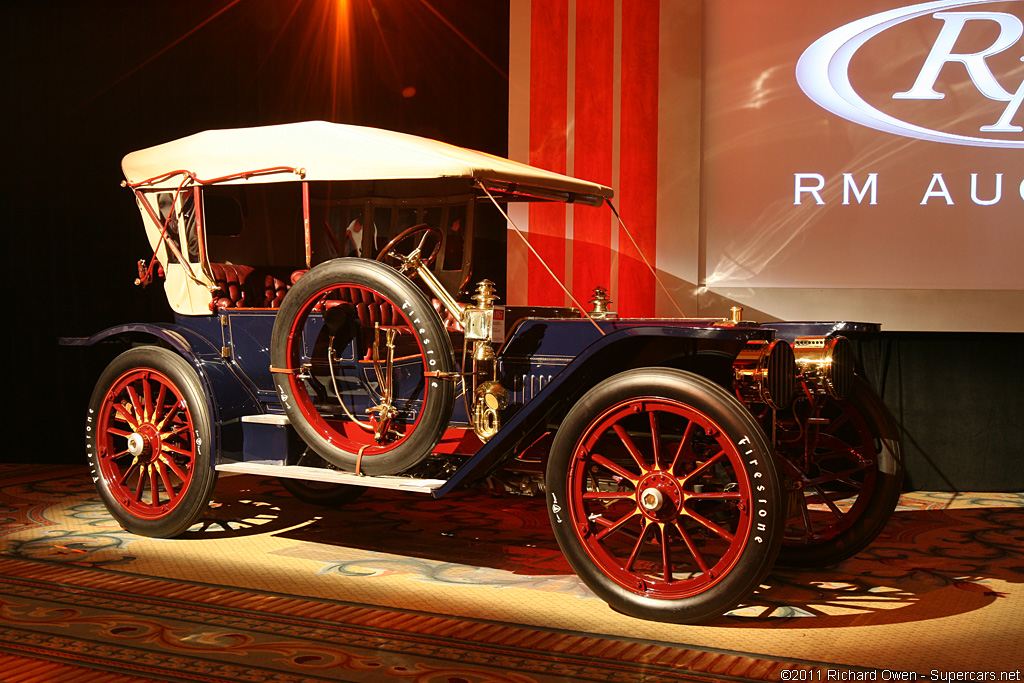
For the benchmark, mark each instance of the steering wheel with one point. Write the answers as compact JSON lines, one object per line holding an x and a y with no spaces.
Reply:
{"x":415,"y":257}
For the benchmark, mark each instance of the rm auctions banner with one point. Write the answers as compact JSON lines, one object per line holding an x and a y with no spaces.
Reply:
{"x":800,"y":158}
{"x":867,"y":144}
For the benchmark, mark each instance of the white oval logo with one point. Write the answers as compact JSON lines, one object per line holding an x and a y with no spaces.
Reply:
{"x":823,"y":71}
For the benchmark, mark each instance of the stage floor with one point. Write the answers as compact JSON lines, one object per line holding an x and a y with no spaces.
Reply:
{"x":399,"y":586}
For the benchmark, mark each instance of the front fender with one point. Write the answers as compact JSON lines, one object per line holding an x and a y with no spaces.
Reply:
{"x":697,"y":349}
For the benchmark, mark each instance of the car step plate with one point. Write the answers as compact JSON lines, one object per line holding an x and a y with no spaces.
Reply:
{"x":332,"y":476}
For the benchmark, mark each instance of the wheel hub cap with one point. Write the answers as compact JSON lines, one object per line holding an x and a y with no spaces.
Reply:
{"x":652,"y":499}
{"x":660,"y":497}
{"x":136,"y":444}
{"x":141,"y":443}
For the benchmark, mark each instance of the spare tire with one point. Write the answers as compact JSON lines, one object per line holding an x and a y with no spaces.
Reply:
{"x":321,"y":357}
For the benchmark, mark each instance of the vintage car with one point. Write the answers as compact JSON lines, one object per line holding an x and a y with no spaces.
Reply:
{"x":336,"y":326}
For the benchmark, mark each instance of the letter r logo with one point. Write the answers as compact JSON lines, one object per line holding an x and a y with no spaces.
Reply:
{"x":1010,"y":31}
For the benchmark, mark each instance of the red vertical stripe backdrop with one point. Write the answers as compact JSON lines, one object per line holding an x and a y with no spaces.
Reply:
{"x":592,"y":150}
{"x":549,"y":56}
{"x":638,"y":155}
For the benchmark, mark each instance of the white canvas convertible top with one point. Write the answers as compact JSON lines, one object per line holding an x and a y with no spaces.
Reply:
{"x":333,"y":151}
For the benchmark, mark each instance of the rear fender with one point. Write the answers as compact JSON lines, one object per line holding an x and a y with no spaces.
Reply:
{"x":226,"y":396}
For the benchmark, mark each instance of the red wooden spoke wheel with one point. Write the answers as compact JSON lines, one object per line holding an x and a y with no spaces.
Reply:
{"x":376,"y":417}
{"x":146,"y":443}
{"x":671,"y":502}
{"x":831,"y":468}
{"x":665,"y":516}
{"x":843,"y":466}
{"x":148,"y":438}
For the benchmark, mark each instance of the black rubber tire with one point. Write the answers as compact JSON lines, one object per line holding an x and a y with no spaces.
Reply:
{"x":429,"y":332}
{"x":888,"y":469}
{"x":188,"y":430}
{"x":756,"y":536}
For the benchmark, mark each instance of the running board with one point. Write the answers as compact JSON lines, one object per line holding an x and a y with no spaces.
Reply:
{"x":333,"y":476}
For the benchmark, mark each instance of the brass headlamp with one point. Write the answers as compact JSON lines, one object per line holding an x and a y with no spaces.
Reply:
{"x":825,"y":364}
{"x":765,"y":372}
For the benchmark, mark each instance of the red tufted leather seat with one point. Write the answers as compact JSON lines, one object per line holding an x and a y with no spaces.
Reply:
{"x":451,"y":323}
{"x":274,"y":290}
{"x":374,"y":309}
{"x":371,"y":308}
{"x":248,"y":287}
{"x":231,"y":281}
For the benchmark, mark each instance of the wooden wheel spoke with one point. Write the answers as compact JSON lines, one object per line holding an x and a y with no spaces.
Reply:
{"x":627,"y":441}
{"x":154,"y":488}
{"x":684,"y":445}
{"x":612,"y":527}
{"x":708,"y":464}
{"x":709,"y":525}
{"x":828,"y":501}
{"x":843,"y":477}
{"x":158,"y":409}
{"x":656,"y":439}
{"x":147,"y":400}
{"x":128,"y":473}
{"x":141,"y":484}
{"x":171,"y":413}
{"x":856,"y":456}
{"x":170,"y":448}
{"x":805,"y":514}
{"x":692,"y":547}
{"x":835,"y":424}
{"x":174,"y":432}
{"x":834,"y":447}
{"x":609,"y":495}
{"x":604,"y":462}
{"x":850,"y":481}
{"x":118,"y":432}
{"x":133,"y":396}
{"x":717,"y":495}
{"x":165,"y":478}
{"x":125,"y":416}
{"x":174,"y":468}
{"x":666,"y":553}
{"x":636,"y":548}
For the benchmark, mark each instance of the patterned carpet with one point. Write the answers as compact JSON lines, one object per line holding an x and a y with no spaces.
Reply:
{"x":401,"y":587}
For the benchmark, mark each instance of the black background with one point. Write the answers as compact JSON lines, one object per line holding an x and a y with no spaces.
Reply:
{"x":87,"y":82}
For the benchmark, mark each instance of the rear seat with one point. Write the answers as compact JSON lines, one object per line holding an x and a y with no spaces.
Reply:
{"x":369,"y":307}
{"x":248,"y":287}
{"x":274,"y":289}
{"x":264,"y":287}
{"x":231,"y":281}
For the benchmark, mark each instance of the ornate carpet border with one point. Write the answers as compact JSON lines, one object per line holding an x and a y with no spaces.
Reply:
{"x":295,"y":638}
